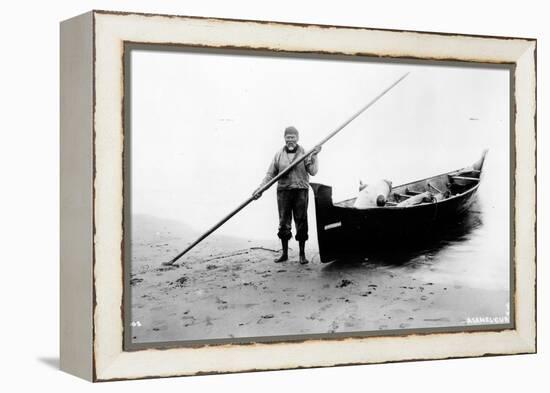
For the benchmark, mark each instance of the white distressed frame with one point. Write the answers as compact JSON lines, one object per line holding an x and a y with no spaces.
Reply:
{"x":111,"y":30}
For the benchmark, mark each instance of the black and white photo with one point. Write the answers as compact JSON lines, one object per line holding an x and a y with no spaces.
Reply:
{"x":399,"y":223}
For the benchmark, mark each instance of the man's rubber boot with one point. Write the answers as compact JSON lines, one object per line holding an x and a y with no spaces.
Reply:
{"x":284,"y":256}
{"x":303,"y":260}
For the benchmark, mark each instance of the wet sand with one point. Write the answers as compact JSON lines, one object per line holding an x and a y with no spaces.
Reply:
{"x":231,"y":288}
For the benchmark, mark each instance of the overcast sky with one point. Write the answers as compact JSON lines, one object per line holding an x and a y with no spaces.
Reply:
{"x":206,"y":126}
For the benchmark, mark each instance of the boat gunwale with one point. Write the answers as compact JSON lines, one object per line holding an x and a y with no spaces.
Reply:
{"x":470,"y":190}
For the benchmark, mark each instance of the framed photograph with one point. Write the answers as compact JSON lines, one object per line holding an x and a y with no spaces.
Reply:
{"x":248,"y":195}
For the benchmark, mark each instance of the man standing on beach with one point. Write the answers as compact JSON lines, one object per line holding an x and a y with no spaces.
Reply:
{"x":292,"y":191}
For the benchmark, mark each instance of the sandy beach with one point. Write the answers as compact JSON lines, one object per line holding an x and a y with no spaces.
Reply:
{"x":231,"y":288}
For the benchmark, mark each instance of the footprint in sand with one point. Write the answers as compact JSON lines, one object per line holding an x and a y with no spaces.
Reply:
{"x":344,"y":283}
{"x":180,"y":281}
{"x":314,"y":316}
{"x":265,"y":318}
{"x":188,"y":321}
{"x":437,"y":319}
{"x":167,"y":268}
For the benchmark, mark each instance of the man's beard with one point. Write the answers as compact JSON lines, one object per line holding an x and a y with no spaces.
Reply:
{"x":291,"y":147}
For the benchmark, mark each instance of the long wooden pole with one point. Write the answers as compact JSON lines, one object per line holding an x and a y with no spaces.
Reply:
{"x":282,"y":173}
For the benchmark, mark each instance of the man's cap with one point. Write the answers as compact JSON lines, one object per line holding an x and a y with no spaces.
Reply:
{"x":291,"y":130}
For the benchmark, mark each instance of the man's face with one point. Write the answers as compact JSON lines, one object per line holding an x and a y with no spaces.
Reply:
{"x":291,"y":141}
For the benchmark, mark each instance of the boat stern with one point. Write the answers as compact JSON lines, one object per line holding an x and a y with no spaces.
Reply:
{"x":330,"y":233}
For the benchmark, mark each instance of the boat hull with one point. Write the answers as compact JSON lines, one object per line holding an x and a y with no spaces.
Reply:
{"x":345,"y":232}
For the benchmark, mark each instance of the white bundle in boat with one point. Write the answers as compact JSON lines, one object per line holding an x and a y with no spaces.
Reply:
{"x":425,"y":197}
{"x":372,"y":195}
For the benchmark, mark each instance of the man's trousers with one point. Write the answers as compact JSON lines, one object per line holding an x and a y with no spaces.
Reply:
{"x":293,"y":203}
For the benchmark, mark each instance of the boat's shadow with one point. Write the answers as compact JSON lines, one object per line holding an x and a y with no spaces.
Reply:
{"x":419,"y":252}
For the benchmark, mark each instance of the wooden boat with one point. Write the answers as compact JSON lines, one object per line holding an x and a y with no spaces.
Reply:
{"x":344,"y":231}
